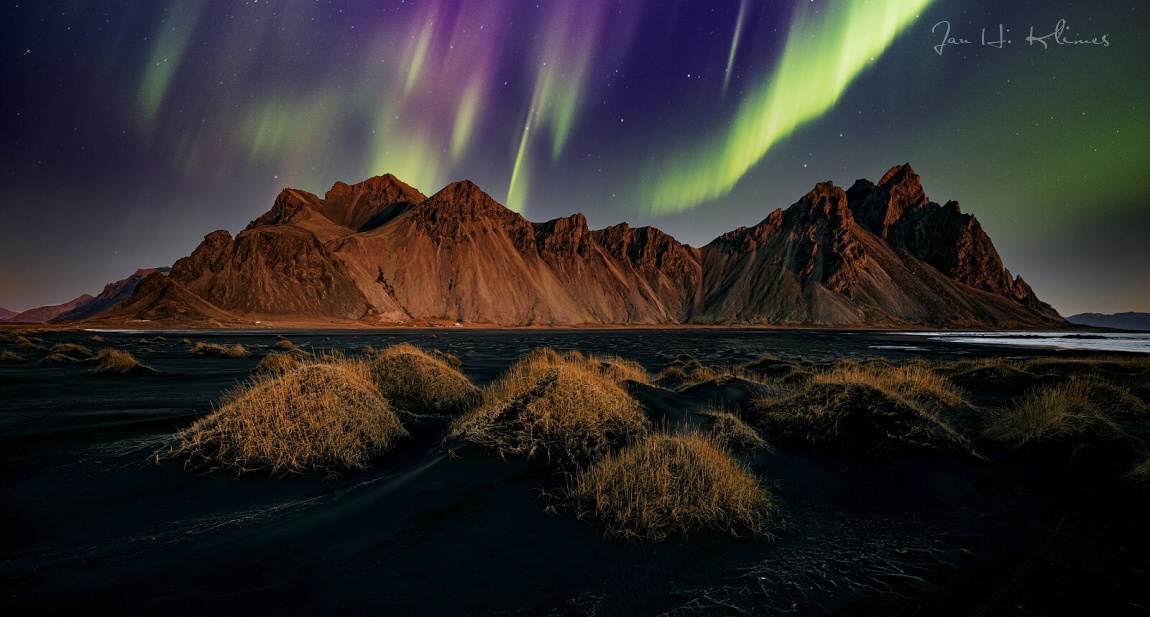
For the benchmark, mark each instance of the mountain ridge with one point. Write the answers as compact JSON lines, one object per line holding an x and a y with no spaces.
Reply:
{"x":1129,"y":320}
{"x":878,"y":254}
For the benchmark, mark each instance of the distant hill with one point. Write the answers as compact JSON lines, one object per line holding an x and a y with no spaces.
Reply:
{"x":1122,"y":321}
{"x":6,"y":314}
{"x":43,"y":314}
{"x":381,"y":252}
{"x":113,"y":294}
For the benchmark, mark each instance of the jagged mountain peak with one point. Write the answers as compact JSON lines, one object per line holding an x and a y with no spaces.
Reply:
{"x":875,"y":253}
{"x":381,"y":190}
{"x":464,"y":198}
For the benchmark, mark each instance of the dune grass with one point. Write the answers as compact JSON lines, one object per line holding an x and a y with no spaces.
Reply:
{"x":868,"y":408}
{"x":568,"y":409}
{"x":913,"y":383}
{"x":71,"y":350}
{"x":23,"y":343}
{"x":1139,"y":472}
{"x":115,"y":362}
{"x":280,"y":363}
{"x":446,"y":358}
{"x":285,"y":345}
{"x":665,"y":484}
{"x":422,"y":383}
{"x":7,"y":357}
{"x":203,"y":350}
{"x":682,"y":376}
{"x":55,"y":358}
{"x":326,"y":415}
{"x":1074,"y":408}
{"x":95,"y":338}
{"x":728,"y":430}
{"x":367,"y":350}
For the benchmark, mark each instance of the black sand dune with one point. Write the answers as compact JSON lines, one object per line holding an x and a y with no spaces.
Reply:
{"x":91,"y":524}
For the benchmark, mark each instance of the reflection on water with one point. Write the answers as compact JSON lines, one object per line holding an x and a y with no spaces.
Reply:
{"x":1136,"y":342}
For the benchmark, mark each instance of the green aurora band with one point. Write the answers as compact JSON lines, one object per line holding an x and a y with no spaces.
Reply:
{"x":825,"y":50}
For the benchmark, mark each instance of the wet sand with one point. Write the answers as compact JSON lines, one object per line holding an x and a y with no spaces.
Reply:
{"x":90,"y":524}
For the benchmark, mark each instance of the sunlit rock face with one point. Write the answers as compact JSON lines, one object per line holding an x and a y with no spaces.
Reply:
{"x":379,"y":251}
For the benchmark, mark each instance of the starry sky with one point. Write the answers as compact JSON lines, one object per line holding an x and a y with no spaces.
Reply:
{"x":129,"y":129}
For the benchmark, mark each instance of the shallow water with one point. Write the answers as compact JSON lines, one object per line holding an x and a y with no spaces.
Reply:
{"x":1123,"y":342}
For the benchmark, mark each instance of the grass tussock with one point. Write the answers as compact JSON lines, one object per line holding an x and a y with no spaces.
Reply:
{"x":449,"y":359}
{"x":7,"y":357}
{"x":564,"y":408}
{"x":285,"y":345}
{"x":912,"y":383}
{"x":71,"y":350}
{"x":422,"y":383}
{"x":1074,"y":408}
{"x":203,"y":350}
{"x":367,"y":350}
{"x":326,"y":415}
{"x":681,"y":376}
{"x":279,"y":363}
{"x":728,"y":430}
{"x":159,"y":339}
{"x":868,"y":408}
{"x":55,"y":358}
{"x":23,"y":343}
{"x":1140,"y":471}
{"x":856,"y":418}
{"x":665,"y":484}
{"x":115,"y":362}
{"x":94,"y":339}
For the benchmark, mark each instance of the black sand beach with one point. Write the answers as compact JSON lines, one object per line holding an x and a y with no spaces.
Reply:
{"x":91,"y":523}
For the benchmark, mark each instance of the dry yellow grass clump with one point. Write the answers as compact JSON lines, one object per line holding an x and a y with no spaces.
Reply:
{"x":322,"y":416}
{"x":680,"y":376}
{"x":421,"y":383}
{"x":731,"y":432}
{"x":367,"y":350}
{"x":116,"y":362}
{"x":285,"y":345}
{"x":446,"y":358}
{"x":95,"y":338}
{"x":71,"y":350}
{"x":565,"y":408}
{"x":664,"y":484}
{"x":1069,"y":409}
{"x":279,"y":363}
{"x":868,"y":409}
{"x":22,"y":342}
{"x":1140,"y":471}
{"x":910,"y":382}
{"x":8,"y":357}
{"x":213,"y":349}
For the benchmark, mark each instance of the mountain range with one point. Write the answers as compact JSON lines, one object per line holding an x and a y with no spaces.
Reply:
{"x":1121,"y":321}
{"x":85,"y":305}
{"x":380,"y":252}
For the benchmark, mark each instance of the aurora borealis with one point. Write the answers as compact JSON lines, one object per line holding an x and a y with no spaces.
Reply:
{"x":133,"y":128}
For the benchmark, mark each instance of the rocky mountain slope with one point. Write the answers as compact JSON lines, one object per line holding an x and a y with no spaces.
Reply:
{"x":381,"y":252}
{"x":113,"y":294}
{"x":43,"y":314}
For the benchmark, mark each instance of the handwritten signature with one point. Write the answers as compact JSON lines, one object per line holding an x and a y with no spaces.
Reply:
{"x":1058,"y":37}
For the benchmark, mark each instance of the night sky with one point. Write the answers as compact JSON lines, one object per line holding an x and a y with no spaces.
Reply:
{"x":130,"y":129}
